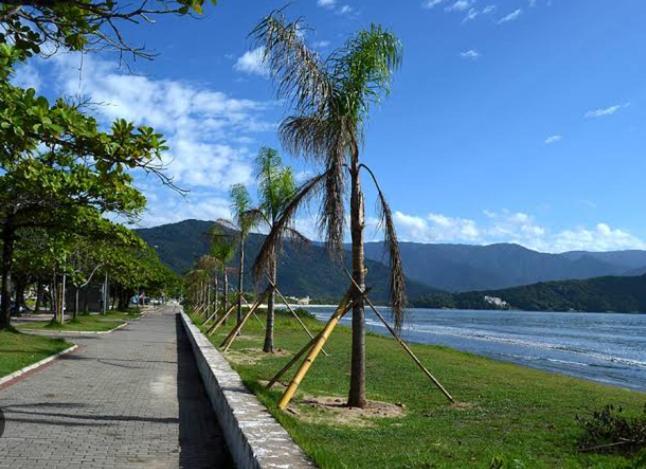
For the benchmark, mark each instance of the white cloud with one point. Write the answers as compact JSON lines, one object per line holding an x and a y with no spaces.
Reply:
{"x":321,"y":44}
{"x":26,"y":76}
{"x":603,"y":112}
{"x":345,"y":9}
{"x":471,"y":15}
{"x":211,"y":135}
{"x":514,"y":227}
{"x":488,"y":9}
{"x":553,"y":139}
{"x":514,"y":15}
{"x":326,"y":3}
{"x":460,"y":5}
{"x":470,"y":54}
{"x":431,"y":3}
{"x":253,"y":62}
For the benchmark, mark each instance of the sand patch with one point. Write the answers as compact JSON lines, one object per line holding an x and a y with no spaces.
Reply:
{"x":332,"y":410}
{"x":251,"y":356}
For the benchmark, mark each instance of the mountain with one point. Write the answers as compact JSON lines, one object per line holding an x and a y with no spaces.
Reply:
{"x":616,"y":294}
{"x":302,"y":271}
{"x":459,"y":268}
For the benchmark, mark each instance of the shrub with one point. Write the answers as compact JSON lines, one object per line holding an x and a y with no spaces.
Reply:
{"x":608,"y":431}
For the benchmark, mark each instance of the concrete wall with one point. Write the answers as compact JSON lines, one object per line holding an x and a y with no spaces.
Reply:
{"x":255,"y":439}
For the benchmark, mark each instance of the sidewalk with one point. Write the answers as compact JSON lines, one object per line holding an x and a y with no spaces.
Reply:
{"x":131,"y":398}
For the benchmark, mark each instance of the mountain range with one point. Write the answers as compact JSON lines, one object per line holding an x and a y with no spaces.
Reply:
{"x":430,"y":268}
{"x":303,"y":270}
{"x":461,"y":268}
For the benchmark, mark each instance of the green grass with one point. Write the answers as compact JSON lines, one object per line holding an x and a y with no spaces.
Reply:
{"x":84,"y":322}
{"x":513,"y":417}
{"x":18,"y":350}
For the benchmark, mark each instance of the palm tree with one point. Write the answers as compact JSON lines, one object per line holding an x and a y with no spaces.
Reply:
{"x":222,"y":250}
{"x":330,"y":102}
{"x":276,"y":188}
{"x":240,"y":206}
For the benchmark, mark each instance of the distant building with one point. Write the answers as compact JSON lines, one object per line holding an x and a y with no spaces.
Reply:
{"x":496,"y":301}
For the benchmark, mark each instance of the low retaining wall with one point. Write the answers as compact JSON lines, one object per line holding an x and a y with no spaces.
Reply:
{"x":255,"y":439}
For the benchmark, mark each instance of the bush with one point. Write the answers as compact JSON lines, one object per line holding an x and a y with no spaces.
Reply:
{"x":608,"y":431}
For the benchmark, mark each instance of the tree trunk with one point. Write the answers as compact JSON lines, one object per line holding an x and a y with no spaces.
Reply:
{"x":215,"y":288}
{"x":39,"y":296}
{"x":268,"y":347}
{"x":357,"y":394}
{"x":75,"y":313}
{"x":20,"y":296}
{"x":63,"y":302}
{"x":7,"y":263}
{"x":104,"y":306}
{"x":240,"y":279}
{"x":225,"y":286}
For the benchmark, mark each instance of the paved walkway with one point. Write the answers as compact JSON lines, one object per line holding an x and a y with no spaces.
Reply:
{"x":131,"y":398}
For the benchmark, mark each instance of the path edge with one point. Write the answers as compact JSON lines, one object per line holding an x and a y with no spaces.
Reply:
{"x":10,"y":377}
{"x":254,"y":438}
{"x":56,"y":333}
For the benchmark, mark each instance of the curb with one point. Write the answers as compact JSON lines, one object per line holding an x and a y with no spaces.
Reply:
{"x":33,"y":366}
{"x":62,"y":333}
{"x":254,"y":438}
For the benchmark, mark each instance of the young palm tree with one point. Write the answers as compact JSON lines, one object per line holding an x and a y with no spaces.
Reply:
{"x":276,"y":188}
{"x":222,"y":250}
{"x":331,"y":101}
{"x":241,"y":205}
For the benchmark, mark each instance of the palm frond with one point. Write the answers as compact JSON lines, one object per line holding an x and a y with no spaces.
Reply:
{"x":283,"y":223}
{"x":332,"y":221}
{"x":397,"y":286}
{"x":302,"y":77}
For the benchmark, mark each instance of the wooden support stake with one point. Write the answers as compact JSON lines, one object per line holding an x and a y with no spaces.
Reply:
{"x":298,"y":355}
{"x":220,"y":321}
{"x":307,"y":331}
{"x":249,"y":306}
{"x":402,"y":343}
{"x":314,"y":351}
{"x":226,"y":343}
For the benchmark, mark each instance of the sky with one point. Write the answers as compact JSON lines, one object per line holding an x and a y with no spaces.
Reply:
{"x":509,"y":120}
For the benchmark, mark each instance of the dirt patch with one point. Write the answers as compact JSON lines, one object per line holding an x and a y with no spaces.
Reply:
{"x":332,"y":410}
{"x":251,"y":356}
{"x":462,"y":405}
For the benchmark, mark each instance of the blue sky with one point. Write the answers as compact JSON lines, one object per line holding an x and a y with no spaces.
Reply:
{"x":509,"y":120}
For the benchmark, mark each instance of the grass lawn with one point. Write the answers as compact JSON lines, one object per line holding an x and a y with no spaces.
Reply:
{"x":18,"y":350}
{"x":84,"y":323}
{"x":509,"y":416}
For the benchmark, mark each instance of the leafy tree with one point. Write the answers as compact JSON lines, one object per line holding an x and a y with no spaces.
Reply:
{"x":331,"y":100}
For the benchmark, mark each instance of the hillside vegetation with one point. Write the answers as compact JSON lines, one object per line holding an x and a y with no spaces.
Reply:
{"x":616,"y":294}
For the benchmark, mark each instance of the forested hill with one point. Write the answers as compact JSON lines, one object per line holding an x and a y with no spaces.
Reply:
{"x":460,"y":268}
{"x":302,"y":271}
{"x":615,"y":294}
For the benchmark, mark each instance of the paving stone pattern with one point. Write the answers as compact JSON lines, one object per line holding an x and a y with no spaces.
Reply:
{"x":131,"y":398}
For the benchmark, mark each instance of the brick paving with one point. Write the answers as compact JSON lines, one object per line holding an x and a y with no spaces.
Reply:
{"x":131,"y":398}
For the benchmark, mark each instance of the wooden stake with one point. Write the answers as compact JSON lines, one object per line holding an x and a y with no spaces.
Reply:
{"x":293,"y":312}
{"x":314,"y":351}
{"x":226,"y":343}
{"x":219,"y":322}
{"x":402,"y":343}
{"x":295,"y":358}
{"x":249,"y":306}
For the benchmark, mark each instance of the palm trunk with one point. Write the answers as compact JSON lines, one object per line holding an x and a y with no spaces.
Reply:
{"x":268,"y":347}
{"x":215,"y":290}
{"x":357,"y":394}
{"x":240,"y":279}
{"x":7,"y":261}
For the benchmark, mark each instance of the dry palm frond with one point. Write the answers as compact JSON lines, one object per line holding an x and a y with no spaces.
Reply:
{"x":300,"y":73}
{"x":397,"y":280}
{"x":282,"y":224}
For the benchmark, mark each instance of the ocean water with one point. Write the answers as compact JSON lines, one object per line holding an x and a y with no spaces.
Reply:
{"x":604,"y":347}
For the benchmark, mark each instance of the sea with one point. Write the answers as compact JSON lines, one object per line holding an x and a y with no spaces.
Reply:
{"x":607,"y":348}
